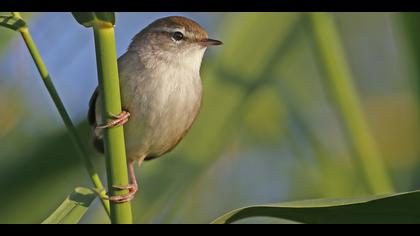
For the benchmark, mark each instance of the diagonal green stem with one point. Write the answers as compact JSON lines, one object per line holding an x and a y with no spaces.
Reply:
{"x":339,"y":82}
{"x":111,"y":104}
{"x":24,"y":31}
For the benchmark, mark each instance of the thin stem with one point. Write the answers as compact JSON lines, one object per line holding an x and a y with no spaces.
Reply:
{"x":111,"y":104}
{"x":63,"y":113}
{"x":340,"y":85}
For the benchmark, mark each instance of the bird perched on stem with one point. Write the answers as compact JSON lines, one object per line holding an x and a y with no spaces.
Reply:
{"x":161,"y":91}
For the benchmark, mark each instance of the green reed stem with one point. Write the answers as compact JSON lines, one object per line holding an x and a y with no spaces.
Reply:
{"x":111,"y":104}
{"x":338,"y":80}
{"x":24,"y":31}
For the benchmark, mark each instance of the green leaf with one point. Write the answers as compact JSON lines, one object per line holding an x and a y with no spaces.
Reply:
{"x":393,"y":208}
{"x":89,"y":19}
{"x":73,"y":208}
{"x":12,"y":22}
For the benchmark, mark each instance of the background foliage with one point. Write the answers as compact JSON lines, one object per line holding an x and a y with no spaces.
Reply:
{"x":268,"y":131}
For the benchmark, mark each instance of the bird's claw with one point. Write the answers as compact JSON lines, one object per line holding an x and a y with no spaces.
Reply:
{"x":132,"y":188}
{"x":118,"y":120}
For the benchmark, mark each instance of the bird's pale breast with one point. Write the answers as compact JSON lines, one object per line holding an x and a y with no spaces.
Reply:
{"x":163,"y":103}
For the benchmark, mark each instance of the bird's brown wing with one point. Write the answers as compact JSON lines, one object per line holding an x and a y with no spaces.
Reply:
{"x":97,"y":141}
{"x":92,"y":107}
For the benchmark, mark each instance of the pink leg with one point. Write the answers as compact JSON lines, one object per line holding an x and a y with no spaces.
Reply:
{"x":132,"y":187}
{"x":118,"y":120}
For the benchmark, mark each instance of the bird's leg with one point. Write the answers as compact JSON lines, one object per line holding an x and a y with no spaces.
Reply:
{"x":132,"y":187}
{"x":118,"y":120}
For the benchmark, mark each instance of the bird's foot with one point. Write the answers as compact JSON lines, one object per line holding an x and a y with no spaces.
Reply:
{"x":117,"y":120}
{"x":132,"y":188}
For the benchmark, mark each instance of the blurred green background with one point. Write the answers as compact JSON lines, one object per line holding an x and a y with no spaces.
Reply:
{"x":268,"y":131}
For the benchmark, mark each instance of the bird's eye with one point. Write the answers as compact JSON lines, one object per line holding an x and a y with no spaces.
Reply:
{"x":177,"y":36}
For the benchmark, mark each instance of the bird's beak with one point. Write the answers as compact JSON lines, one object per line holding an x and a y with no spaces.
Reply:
{"x":210,"y":42}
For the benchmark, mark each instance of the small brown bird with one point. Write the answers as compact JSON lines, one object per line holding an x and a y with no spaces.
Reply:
{"x":161,"y":91}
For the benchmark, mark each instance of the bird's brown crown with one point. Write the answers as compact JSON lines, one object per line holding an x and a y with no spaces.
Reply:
{"x":180,"y":21}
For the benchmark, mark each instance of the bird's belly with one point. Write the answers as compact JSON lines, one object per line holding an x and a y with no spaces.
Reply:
{"x":159,"y":120}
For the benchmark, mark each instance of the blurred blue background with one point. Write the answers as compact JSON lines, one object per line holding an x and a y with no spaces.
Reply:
{"x":268,"y":131}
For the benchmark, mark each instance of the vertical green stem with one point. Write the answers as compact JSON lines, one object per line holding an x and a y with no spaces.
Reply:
{"x":409,"y":22}
{"x":63,"y":113}
{"x":340,"y":84}
{"x":111,"y":104}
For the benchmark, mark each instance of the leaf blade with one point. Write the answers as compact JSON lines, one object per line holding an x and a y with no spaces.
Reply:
{"x":88,"y":19}
{"x":73,"y":207}
{"x":12,"y":22}
{"x":391,"y":208}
